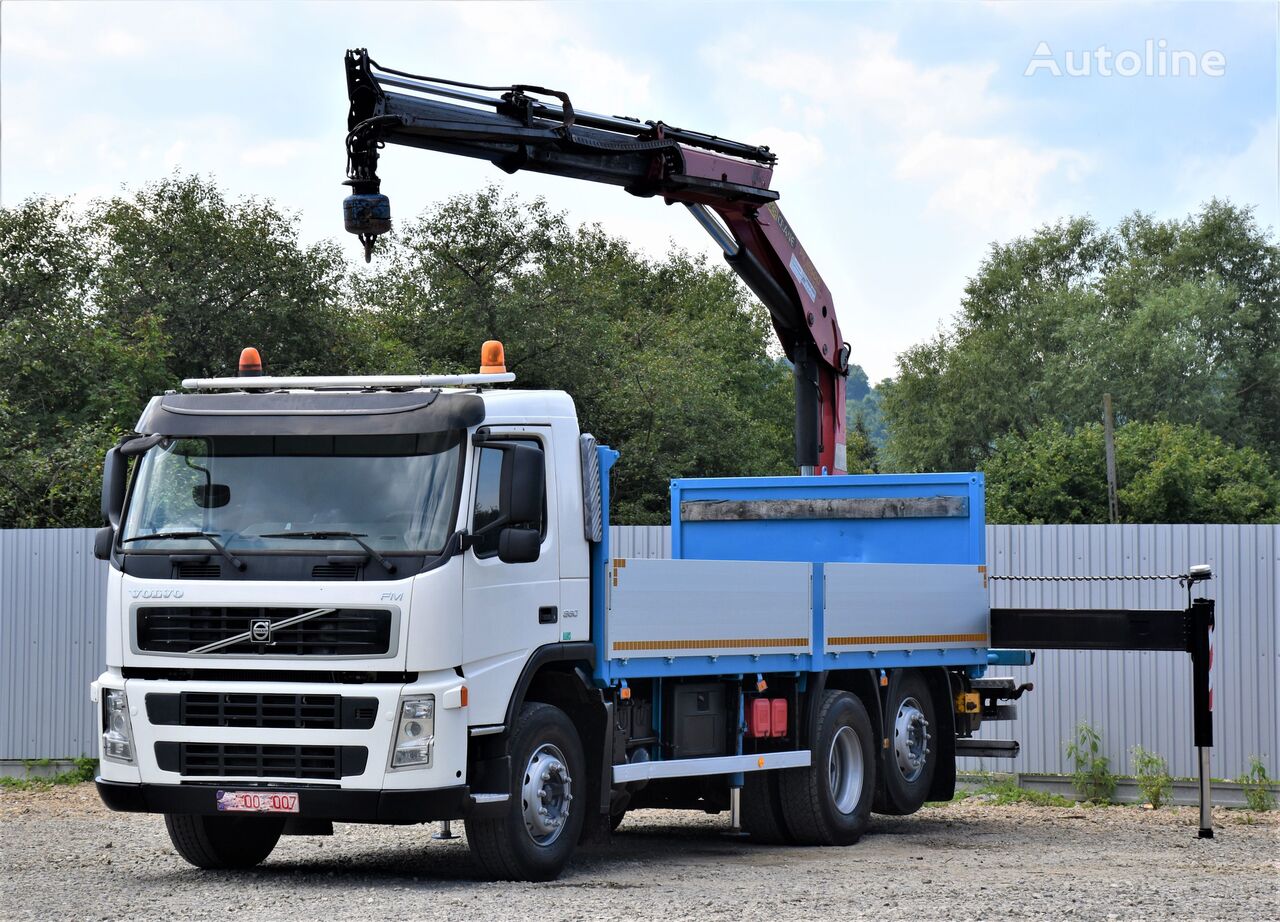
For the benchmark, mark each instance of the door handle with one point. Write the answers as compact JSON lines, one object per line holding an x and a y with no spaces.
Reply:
{"x":548,"y":614}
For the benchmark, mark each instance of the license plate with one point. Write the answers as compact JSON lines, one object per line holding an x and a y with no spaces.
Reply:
{"x":257,"y":802}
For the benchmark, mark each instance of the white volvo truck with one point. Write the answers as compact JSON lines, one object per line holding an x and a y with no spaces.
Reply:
{"x":392,"y":600}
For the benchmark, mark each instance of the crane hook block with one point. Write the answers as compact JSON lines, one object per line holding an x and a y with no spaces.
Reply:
{"x":367,"y":216}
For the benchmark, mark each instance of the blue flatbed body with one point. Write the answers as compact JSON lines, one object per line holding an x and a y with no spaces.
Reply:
{"x":882,"y":519}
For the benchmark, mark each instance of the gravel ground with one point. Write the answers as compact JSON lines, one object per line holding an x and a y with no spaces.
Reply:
{"x":64,"y":856}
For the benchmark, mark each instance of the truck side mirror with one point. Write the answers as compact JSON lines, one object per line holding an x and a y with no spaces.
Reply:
{"x":522,"y":488}
{"x":114,"y":471}
{"x":115,"y":474}
{"x":519,"y":545}
{"x":102,"y":542}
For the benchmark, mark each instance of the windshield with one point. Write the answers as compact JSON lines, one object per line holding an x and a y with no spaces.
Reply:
{"x":395,"y":492}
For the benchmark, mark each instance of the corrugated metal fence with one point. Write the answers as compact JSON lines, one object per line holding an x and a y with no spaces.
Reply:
{"x":52,"y":597}
{"x":1145,"y":698}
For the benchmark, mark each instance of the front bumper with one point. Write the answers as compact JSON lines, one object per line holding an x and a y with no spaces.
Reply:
{"x":153,"y":740}
{"x":345,"y":806}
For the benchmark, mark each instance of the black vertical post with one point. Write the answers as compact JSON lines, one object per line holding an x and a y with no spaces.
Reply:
{"x":808,"y":409}
{"x":1202,"y":623}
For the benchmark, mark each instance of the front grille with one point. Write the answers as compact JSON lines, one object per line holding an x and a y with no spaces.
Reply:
{"x":242,"y":709}
{"x":197,"y":570}
{"x":343,"y":632}
{"x":226,"y":760}
{"x":335,"y":571}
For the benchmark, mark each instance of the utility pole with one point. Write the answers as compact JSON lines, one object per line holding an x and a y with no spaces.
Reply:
{"x":1109,"y":438}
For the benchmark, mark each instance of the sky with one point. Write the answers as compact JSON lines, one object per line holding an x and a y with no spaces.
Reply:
{"x":910,"y":136}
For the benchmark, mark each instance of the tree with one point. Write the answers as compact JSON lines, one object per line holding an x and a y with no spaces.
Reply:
{"x":667,"y":359}
{"x":860,"y":450}
{"x":101,"y":310}
{"x":218,"y":275}
{"x":1180,"y":320}
{"x":1166,"y":473}
{"x":862,"y":402}
{"x":72,"y":382}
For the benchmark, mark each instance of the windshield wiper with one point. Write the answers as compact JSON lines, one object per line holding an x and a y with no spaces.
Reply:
{"x":351,"y":535}
{"x":179,"y":535}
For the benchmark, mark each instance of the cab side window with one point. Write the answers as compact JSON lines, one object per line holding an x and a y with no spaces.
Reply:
{"x":485,"y":510}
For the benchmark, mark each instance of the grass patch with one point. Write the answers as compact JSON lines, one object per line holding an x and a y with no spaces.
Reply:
{"x":1257,"y":786}
{"x":1003,"y":793}
{"x":84,"y":770}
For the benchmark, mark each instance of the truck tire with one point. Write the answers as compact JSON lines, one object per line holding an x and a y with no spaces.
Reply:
{"x":762,"y":809}
{"x":911,"y":726}
{"x":221,"y":842}
{"x":829,"y":803}
{"x":536,"y":837}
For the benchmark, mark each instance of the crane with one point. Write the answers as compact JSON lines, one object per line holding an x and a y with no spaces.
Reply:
{"x":723,"y":183}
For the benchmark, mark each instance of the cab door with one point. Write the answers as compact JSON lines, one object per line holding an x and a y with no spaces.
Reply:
{"x":509,"y":610}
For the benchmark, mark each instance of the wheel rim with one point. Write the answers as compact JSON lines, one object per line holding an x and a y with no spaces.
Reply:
{"x":844,"y":770}
{"x":546,"y":794}
{"x":911,"y":739}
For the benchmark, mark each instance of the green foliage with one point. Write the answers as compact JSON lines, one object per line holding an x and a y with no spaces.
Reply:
{"x":217,"y":275}
{"x":1003,"y":793}
{"x":1165,"y":472}
{"x":1179,"y":320}
{"x":1153,"y":776}
{"x":667,"y":359}
{"x":84,"y":769}
{"x":1257,"y":786}
{"x":1091,"y":772}
{"x":862,"y":401}
{"x":860,"y":449}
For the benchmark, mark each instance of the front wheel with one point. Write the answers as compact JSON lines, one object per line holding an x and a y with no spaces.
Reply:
{"x":829,"y":803}
{"x":221,"y":842}
{"x":536,"y":837}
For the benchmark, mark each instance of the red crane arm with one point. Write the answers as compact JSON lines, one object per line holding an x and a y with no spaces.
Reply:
{"x":520,"y":131}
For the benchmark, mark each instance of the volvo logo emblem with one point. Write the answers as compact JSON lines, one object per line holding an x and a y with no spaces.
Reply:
{"x":156,"y":593}
{"x":260,"y":630}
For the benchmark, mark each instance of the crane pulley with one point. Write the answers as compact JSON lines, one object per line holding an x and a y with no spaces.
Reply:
{"x":724,"y":183}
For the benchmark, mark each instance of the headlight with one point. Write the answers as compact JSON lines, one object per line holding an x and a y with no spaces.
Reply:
{"x":416,"y":732}
{"x":117,"y":730}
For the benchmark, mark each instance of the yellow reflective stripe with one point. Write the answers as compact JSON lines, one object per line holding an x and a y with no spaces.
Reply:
{"x":906,"y":638}
{"x":735,"y":643}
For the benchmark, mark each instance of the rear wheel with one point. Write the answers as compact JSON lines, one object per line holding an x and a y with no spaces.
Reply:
{"x":762,"y":809}
{"x":220,"y":842}
{"x":536,"y":836}
{"x":909,"y":763}
{"x":829,"y":802}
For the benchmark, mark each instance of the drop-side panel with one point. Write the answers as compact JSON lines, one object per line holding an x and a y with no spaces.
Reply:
{"x":707,"y":608}
{"x":877,"y":606}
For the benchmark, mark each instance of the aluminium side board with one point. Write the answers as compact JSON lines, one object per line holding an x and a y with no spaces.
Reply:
{"x":800,"y":574}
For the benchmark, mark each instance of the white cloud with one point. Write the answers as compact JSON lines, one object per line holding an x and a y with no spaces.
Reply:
{"x":994,"y":185}
{"x":280,"y":153}
{"x":1248,"y":176}
{"x":121,"y":44}
{"x":799,"y":153}
{"x":921,"y":166}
